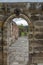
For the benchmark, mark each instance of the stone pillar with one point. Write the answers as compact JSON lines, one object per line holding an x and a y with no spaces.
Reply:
{"x":31,"y":39}
{"x":8,"y":40}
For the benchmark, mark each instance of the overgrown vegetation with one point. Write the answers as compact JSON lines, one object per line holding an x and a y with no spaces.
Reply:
{"x":23,"y":30}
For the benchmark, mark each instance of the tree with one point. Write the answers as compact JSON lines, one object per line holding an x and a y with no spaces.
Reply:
{"x":21,"y":26}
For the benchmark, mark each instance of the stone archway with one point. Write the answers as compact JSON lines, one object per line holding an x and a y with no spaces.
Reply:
{"x":6,"y":53}
{"x":21,"y":15}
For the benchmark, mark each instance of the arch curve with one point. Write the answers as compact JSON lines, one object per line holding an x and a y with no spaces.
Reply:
{"x":22,"y":16}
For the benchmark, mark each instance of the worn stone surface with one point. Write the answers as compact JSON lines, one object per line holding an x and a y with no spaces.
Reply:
{"x":34,"y":41}
{"x":19,"y":51}
{"x":36,"y":45}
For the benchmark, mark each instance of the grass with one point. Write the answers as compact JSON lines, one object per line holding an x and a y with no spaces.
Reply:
{"x":22,"y":34}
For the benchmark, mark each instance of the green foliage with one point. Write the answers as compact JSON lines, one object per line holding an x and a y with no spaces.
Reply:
{"x":21,"y":26}
{"x":23,"y":30}
{"x":22,"y":33}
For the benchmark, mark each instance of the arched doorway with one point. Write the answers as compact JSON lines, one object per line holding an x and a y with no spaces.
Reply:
{"x":6,"y":37}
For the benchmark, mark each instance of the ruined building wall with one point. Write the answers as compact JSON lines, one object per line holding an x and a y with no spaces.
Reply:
{"x":9,"y":32}
{"x":35,"y":42}
{"x":0,"y":44}
{"x":36,"y":45}
{"x":35,"y":34}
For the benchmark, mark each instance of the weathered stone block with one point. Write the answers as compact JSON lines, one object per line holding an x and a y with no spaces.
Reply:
{"x":30,"y":36}
{"x":39,"y":36}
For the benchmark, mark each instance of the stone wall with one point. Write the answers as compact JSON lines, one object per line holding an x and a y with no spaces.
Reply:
{"x":35,"y":34}
{"x":36,"y":45}
{"x":1,"y":55}
{"x":9,"y":32}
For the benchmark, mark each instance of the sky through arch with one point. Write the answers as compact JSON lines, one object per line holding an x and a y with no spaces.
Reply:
{"x":20,"y":21}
